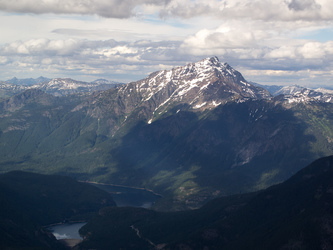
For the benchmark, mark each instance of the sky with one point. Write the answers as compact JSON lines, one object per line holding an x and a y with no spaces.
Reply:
{"x":280,"y":42}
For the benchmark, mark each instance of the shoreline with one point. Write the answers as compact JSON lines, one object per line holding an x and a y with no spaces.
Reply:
{"x":116,"y":185}
{"x":65,"y":222}
{"x":70,"y":242}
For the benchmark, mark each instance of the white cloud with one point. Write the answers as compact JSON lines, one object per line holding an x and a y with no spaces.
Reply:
{"x":78,"y":56}
{"x":230,"y":35}
{"x":281,"y":52}
{"x":312,"y":50}
{"x":271,"y":48}
{"x":277,"y":10}
{"x":3,"y":60}
{"x":104,"y":8}
{"x":42,"y":46}
{"x":301,"y":5}
{"x":130,"y":37}
{"x":285,"y":10}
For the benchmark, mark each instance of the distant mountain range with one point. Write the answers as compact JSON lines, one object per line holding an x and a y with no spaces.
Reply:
{"x":276,"y":90}
{"x":192,"y":133}
{"x":28,"y":81}
{"x":56,"y":87}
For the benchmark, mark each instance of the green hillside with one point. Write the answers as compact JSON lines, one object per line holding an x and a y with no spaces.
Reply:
{"x":190,"y":157}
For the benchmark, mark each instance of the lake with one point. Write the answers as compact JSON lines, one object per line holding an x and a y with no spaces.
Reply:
{"x":67,"y":230}
{"x":123,"y":196}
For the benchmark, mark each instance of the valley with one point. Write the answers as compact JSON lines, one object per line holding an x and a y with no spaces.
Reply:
{"x":294,"y":214}
{"x":195,"y":157}
{"x":166,"y":125}
{"x":191,"y":134}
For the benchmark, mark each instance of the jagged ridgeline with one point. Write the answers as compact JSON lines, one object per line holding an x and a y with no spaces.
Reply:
{"x":191,"y":134}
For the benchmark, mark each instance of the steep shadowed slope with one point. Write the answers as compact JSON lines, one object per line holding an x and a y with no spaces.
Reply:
{"x":30,"y":201}
{"x":296,"y":214}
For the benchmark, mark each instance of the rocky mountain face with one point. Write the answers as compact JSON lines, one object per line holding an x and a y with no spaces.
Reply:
{"x":300,"y":94}
{"x":296,"y":93}
{"x":18,"y":101}
{"x":9,"y":89}
{"x":191,"y":133}
{"x":202,"y":85}
{"x":194,"y":87}
{"x":289,"y":90}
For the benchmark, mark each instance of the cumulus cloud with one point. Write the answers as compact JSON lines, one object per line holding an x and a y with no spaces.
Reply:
{"x":316,"y":50}
{"x":245,"y":48}
{"x":42,"y":46}
{"x":84,"y":57}
{"x":301,"y":5}
{"x":3,"y":59}
{"x":260,"y":45}
{"x":230,"y":35}
{"x":278,"y":10}
{"x":254,"y":9}
{"x":252,"y":35}
{"x":104,"y":8}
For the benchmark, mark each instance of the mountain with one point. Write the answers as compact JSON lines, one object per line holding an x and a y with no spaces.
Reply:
{"x":300,"y":94}
{"x":290,"y":90}
{"x":10,"y":89}
{"x":296,"y":93}
{"x":195,"y":87}
{"x":192,"y":133}
{"x":202,"y":85}
{"x":31,"y":201}
{"x":296,"y":214}
{"x":28,"y":81}
{"x":272,"y":89}
{"x":67,"y":86}
{"x":324,"y":91}
{"x":56,"y":87}
{"x":105,"y":81}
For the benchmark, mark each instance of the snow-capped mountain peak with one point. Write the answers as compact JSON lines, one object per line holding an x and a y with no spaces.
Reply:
{"x":198,"y":86}
{"x":56,"y":86}
{"x":298,"y":94}
{"x":324,"y":91}
{"x":290,"y":90}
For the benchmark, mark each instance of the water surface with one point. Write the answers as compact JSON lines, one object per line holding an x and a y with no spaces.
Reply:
{"x":67,"y":230}
{"x":123,"y":196}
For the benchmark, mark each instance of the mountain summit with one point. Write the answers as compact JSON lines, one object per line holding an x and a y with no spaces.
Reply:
{"x":204,"y":84}
{"x":196,"y":86}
